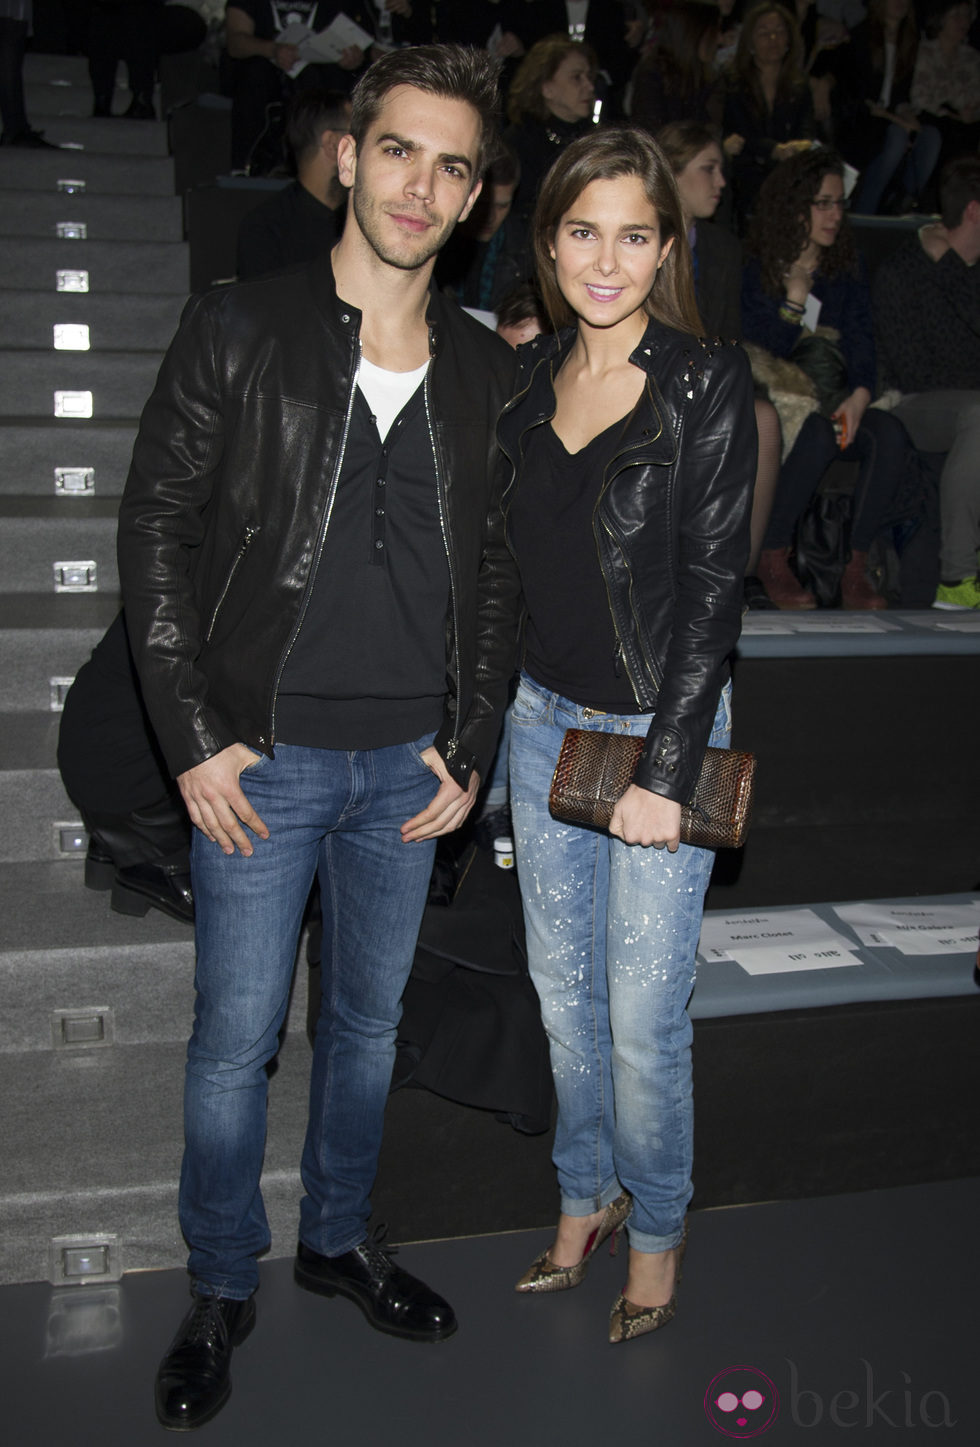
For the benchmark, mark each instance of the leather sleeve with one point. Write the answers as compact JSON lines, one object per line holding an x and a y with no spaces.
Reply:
{"x":161,"y":526}
{"x":715,"y":474}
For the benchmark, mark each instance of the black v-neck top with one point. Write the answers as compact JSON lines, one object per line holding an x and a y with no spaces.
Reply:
{"x":572,"y":647}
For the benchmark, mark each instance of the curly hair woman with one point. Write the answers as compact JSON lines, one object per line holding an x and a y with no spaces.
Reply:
{"x":633,"y":448}
{"x":801,"y":246}
{"x":767,"y":100}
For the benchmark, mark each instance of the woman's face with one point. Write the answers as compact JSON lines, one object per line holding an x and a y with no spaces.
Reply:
{"x":607,"y":251}
{"x":570,"y":93}
{"x":701,"y":183}
{"x":770,"y":39}
{"x":827,"y":211}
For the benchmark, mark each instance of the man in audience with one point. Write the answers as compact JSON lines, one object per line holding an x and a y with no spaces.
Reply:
{"x":488,"y":256}
{"x":301,"y":221}
{"x":322,"y":609}
{"x":926,"y":301}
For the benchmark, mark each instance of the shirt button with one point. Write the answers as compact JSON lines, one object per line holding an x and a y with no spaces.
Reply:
{"x":379,"y":544}
{"x":380,"y":511}
{"x":381,"y":482}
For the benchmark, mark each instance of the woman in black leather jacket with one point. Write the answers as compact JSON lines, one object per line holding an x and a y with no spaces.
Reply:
{"x":633,"y":447}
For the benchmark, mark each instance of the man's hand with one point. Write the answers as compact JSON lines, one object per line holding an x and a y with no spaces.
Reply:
{"x":641,"y":817}
{"x":215,"y":800}
{"x":285,"y":56}
{"x":449,"y":807}
{"x":351,"y":57}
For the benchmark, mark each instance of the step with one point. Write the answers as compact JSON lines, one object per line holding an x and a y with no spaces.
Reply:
{"x":119,"y":383}
{"x":33,"y":264}
{"x":114,"y":175}
{"x":62,"y":97}
{"x":41,"y":68}
{"x":63,"y":947}
{"x":104,"y":218}
{"x":45,"y":637}
{"x":115,"y":323}
{"x":107,"y":136}
{"x":38,"y":535}
{"x":80,"y":266}
{"x":36,"y":453}
{"x":110,"y":1122}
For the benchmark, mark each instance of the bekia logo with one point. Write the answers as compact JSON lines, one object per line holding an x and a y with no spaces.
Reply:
{"x":741,"y":1402}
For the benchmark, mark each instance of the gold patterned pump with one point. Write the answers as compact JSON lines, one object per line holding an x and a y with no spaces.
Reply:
{"x":544,"y":1275}
{"x":627,"y":1320}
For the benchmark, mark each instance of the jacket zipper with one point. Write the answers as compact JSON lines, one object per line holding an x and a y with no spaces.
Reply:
{"x":247,"y":537}
{"x":327,"y":512}
{"x":453,"y":743}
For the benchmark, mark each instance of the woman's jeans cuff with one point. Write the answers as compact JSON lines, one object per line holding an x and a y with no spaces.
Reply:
{"x":587,"y":1206}
{"x":641,"y":1241}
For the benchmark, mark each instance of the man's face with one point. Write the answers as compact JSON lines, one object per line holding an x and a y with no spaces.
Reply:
{"x":493,"y":211}
{"x":413,"y":175}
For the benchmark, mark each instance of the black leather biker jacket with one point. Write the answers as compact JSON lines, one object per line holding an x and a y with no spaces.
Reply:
{"x":229,"y":497}
{"x":671,"y":528}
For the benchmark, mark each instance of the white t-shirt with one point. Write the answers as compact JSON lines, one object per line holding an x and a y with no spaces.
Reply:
{"x":387,"y":392}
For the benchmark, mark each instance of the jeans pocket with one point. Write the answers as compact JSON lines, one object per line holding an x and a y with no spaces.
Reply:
{"x":529,"y":706}
{"x":418,"y":747}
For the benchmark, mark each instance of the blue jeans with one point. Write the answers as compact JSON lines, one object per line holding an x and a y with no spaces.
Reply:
{"x":336,"y":814}
{"x":920,"y":152}
{"x":612,"y":931}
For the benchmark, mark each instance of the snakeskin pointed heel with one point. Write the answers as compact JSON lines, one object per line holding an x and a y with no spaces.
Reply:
{"x":627,"y":1321}
{"x":544,"y":1275}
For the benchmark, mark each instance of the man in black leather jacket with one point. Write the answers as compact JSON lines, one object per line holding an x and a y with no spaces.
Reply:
{"x":321,"y":607}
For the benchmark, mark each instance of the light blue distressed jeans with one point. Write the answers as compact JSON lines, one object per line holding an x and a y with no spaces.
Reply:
{"x":612,"y":931}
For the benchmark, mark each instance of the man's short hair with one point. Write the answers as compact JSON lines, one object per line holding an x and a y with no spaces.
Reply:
{"x":523,"y":304}
{"x":504,"y":169}
{"x":311,"y":112}
{"x":451,"y":72}
{"x":959,"y":184}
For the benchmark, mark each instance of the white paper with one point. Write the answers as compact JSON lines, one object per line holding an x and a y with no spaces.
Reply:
{"x":772,"y":942}
{"x":828,"y":622}
{"x":774,"y":962}
{"x":958,"y":623}
{"x":329,"y":44}
{"x":915,"y":929}
{"x":495,"y":39}
{"x":811,"y":312}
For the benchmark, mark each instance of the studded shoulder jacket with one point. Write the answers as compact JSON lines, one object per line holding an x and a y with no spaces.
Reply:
{"x":229,"y":498}
{"x":671,"y":529}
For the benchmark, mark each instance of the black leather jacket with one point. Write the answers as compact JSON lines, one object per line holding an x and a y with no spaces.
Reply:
{"x":671,"y":529}
{"x":229,"y":497}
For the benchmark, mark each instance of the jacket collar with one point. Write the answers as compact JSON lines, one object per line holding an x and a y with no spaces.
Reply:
{"x":340,"y":315}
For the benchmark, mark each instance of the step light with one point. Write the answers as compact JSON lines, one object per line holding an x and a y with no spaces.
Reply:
{"x":71,"y":281}
{"x":70,"y":840}
{"x":71,"y":230}
{"x":80,"y":577}
{"x":58,"y":692}
{"x":71,"y":337}
{"x":77,"y":1260}
{"x":73,"y":1029}
{"x":74,"y":481}
{"x":73,"y":404}
{"x":71,"y":187}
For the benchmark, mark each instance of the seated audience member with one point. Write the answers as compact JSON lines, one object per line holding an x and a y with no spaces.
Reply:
{"x":695,"y":157}
{"x":604,"y":25}
{"x":946,"y":82}
{"x":730,"y":13}
{"x":485,"y":258}
{"x":123,"y":30}
{"x":879,"y":130}
{"x":521,"y":315}
{"x":767,"y":101}
{"x":549,"y":106}
{"x":674,"y":81}
{"x":801,"y":246}
{"x":115,"y":775}
{"x":926,"y":299}
{"x":15,"y":23}
{"x":257,"y":68}
{"x":300,"y":222}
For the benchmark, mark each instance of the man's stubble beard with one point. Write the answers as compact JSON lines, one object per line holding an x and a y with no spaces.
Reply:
{"x":428,"y":244}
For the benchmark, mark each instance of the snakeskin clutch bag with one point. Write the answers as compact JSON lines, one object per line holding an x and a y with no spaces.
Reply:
{"x":595,"y":769}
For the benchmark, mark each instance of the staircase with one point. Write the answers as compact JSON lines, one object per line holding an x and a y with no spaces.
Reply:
{"x":95,"y":1007}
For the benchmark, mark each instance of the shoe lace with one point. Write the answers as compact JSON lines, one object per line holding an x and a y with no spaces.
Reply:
{"x":377,"y":1255}
{"x":207,"y":1324}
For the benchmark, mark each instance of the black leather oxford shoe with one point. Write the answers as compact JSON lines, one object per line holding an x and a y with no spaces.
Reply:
{"x":392,"y":1300}
{"x":140,"y":887}
{"x":194,"y":1381}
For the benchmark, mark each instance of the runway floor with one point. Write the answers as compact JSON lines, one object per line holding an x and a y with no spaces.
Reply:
{"x":853,"y":1313}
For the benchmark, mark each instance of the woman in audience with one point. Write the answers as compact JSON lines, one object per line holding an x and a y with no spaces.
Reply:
{"x":675,"y":79}
{"x":880,"y":132}
{"x":549,"y":106}
{"x":801,"y":247}
{"x":695,"y":157}
{"x":946,"y":82}
{"x":767,"y":100}
{"x":633,"y":447}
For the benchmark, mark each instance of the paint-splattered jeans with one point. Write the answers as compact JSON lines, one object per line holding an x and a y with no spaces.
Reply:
{"x":612,"y":931}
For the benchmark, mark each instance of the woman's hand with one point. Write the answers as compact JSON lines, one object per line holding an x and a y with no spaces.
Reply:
{"x":734,"y":144}
{"x":851,"y":410}
{"x":799,"y":280}
{"x":641,"y":817}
